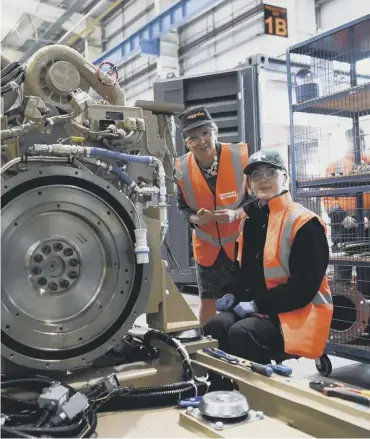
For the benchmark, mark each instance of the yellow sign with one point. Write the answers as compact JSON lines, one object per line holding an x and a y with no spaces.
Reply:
{"x":276,"y":21}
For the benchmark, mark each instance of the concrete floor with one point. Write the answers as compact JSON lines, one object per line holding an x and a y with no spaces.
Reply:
{"x":346,"y":371}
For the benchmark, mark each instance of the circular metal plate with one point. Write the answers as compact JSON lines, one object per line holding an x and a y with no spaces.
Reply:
{"x":70,"y":284}
{"x":224,"y":404}
{"x":63,"y":77}
{"x":351,"y":314}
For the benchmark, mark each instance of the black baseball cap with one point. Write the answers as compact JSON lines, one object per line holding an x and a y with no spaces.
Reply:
{"x":267,"y":157}
{"x":194,"y":117}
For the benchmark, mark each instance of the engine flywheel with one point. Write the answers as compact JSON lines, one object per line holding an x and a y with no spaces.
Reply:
{"x":70,"y":284}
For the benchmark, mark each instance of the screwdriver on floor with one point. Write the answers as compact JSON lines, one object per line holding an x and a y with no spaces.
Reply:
{"x":255,"y":367}
{"x":281,"y":369}
{"x":262,"y":369}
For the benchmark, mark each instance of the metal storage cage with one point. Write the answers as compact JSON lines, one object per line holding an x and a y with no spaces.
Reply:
{"x":233,"y":98}
{"x":329,"y":99}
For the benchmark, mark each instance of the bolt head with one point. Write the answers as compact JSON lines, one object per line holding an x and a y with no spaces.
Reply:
{"x":58,"y":247}
{"x":219,"y":425}
{"x":72,"y":274}
{"x":46,"y":249}
{"x":38,"y":258}
{"x":68,"y":251}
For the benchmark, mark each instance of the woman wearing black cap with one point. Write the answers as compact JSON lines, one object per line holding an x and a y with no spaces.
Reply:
{"x":211,"y":191}
{"x":284,"y":305}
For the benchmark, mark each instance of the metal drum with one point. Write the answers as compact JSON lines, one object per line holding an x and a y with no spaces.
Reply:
{"x":225,"y":405}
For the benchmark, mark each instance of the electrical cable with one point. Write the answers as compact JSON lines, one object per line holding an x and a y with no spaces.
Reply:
{"x":27,"y":419}
{"x":12,"y":74}
{"x":171,"y":258}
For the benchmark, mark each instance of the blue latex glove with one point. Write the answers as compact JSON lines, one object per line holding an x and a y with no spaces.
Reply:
{"x":225,"y":303}
{"x":242,"y":309}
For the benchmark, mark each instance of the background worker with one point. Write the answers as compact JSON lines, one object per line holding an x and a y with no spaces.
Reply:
{"x":343,"y":211}
{"x":284,"y":304}
{"x":211,"y":193}
{"x":347,"y":225}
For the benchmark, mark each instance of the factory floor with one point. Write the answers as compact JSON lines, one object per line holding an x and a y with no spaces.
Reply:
{"x":149,"y":423}
{"x":346,"y":371}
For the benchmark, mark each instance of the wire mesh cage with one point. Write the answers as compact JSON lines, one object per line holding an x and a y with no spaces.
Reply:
{"x":330,"y":161}
{"x":349,"y":269}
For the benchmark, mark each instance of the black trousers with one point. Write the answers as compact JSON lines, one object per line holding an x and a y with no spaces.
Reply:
{"x":251,"y":338}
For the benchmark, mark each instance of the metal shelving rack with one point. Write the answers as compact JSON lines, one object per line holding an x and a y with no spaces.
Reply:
{"x":329,"y":101}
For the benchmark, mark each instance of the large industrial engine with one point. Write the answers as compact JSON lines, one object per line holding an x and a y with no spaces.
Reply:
{"x":79,"y":170}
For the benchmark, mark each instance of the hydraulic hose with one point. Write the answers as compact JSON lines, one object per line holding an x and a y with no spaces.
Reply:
{"x":115,"y":155}
{"x":123,"y":176}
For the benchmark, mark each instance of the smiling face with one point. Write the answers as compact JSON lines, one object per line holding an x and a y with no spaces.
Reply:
{"x":202,"y":142}
{"x":266,"y":181}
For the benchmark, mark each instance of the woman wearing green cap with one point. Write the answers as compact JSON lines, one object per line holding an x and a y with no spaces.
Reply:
{"x":284,"y":305}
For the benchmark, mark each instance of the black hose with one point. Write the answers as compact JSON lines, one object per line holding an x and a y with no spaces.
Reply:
{"x":80,"y":425}
{"x":10,"y":432}
{"x":165,"y":387}
{"x":11,"y":380}
{"x":11,"y":400}
{"x":100,"y":399}
{"x":125,"y":401}
{"x":26,"y":383}
{"x":8,"y":377}
{"x":188,"y":372}
{"x":88,"y":423}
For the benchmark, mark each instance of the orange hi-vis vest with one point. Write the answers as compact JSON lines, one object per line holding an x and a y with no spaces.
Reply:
{"x":305,"y":330}
{"x":230,"y":191}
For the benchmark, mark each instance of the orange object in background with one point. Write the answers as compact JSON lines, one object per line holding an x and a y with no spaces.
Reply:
{"x":345,"y":168}
{"x":345,"y":203}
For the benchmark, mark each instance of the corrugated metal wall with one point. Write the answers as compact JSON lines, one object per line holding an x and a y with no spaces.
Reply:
{"x":218,"y":39}
{"x":137,"y":74}
{"x":214,"y":41}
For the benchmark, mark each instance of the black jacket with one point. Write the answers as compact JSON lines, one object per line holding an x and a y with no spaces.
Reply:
{"x":308,"y":262}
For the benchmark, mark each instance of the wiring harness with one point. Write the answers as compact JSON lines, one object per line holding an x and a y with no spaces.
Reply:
{"x":12,"y":77}
{"x":59,"y":410}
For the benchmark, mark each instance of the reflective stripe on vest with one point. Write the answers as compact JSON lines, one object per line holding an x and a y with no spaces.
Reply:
{"x":305,"y":330}
{"x":236,"y":171}
{"x":282,"y":271}
{"x":229,"y":194}
{"x":204,"y":236}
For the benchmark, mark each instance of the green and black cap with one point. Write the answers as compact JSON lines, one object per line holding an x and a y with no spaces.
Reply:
{"x":267,"y":157}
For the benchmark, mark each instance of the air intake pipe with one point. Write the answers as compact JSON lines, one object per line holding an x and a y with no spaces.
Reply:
{"x":55,"y":71}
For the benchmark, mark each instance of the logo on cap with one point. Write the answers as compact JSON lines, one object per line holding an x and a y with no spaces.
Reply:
{"x":195,"y":115}
{"x":260,"y":155}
